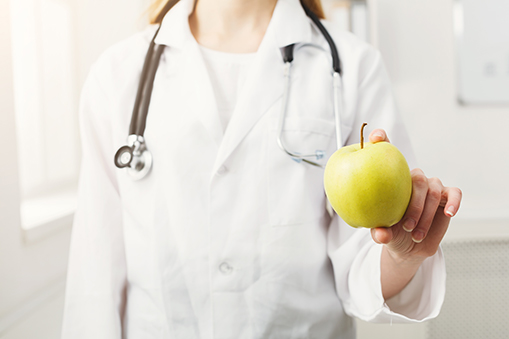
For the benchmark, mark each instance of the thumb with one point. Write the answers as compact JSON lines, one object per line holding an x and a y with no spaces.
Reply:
{"x":378,"y":135}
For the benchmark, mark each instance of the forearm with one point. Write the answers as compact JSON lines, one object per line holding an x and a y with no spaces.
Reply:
{"x":396,"y":273}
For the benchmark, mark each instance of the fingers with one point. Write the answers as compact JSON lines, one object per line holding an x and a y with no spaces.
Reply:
{"x":378,"y":135}
{"x":448,"y":207}
{"x":452,"y":197}
{"x":436,"y":232}
{"x":433,"y":197}
{"x":431,"y":204}
{"x":416,"y":205}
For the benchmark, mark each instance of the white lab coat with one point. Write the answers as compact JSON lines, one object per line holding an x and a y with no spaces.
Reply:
{"x":228,"y":237}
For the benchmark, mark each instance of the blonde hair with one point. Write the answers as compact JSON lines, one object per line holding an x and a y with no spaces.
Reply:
{"x":159,"y":8}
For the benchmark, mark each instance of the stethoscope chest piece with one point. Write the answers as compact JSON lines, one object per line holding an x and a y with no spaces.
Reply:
{"x":134,"y":157}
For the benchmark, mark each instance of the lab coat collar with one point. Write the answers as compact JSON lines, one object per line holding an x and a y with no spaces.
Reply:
{"x":290,"y":24}
{"x":175,"y":31}
{"x":264,"y":82}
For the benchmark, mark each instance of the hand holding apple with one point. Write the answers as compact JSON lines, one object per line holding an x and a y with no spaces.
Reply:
{"x":426,"y":218}
{"x":372,"y":187}
{"x":419,"y":233}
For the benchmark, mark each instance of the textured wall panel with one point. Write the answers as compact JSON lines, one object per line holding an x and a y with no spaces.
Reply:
{"x":477,"y":299}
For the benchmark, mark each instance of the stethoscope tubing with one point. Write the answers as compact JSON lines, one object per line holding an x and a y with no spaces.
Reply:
{"x":136,"y":115}
{"x":147,"y":91}
{"x":138,"y":154}
{"x":336,"y":62}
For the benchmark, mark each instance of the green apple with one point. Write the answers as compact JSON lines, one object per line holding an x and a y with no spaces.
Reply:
{"x":368,"y":185}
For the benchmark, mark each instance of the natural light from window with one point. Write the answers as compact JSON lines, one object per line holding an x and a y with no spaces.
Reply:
{"x":45,"y":89}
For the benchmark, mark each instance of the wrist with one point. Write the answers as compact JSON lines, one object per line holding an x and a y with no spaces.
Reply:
{"x":404,"y":260}
{"x":396,"y":271}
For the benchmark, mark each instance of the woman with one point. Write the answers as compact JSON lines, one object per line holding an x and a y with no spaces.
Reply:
{"x":228,"y":237}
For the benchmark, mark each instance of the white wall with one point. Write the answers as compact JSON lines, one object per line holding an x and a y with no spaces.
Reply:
{"x":31,"y":273}
{"x":101,"y":23}
{"x":24,"y":269}
{"x":462,"y":145}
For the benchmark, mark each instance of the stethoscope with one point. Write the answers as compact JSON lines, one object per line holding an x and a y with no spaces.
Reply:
{"x":137,"y":159}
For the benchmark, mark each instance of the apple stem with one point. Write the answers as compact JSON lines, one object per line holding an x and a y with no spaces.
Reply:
{"x":362,"y":135}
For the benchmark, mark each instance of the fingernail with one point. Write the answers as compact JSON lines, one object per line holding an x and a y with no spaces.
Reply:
{"x":409,"y":225}
{"x":418,"y":236}
{"x":450,"y":211}
{"x":378,"y":134}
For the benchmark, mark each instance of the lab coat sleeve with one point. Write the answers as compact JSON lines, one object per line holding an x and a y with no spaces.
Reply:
{"x":96,"y":277}
{"x":355,"y":256}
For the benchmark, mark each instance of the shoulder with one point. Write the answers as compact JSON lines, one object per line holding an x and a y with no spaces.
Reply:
{"x":122,"y":62}
{"x":358,"y":58}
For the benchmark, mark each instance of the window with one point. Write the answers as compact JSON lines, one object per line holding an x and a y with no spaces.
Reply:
{"x":45,"y":91}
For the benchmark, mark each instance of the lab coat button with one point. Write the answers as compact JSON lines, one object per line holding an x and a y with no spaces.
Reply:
{"x":222,"y":170}
{"x":225,"y":268}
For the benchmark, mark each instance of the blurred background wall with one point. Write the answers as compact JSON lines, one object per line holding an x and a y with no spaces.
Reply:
{"x":33,"y":260}
{"x":461,"y":144}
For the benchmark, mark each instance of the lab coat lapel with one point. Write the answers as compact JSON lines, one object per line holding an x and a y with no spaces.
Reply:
{"x":190,"y":71}
{"x":265,"y":80}
{"x":264,"y":85}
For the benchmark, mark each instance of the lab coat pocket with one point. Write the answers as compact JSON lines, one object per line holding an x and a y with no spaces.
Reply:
{"x":295,"y":188}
